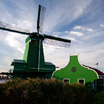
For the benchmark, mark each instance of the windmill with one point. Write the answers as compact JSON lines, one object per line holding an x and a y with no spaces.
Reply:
{"x":33,"y":63}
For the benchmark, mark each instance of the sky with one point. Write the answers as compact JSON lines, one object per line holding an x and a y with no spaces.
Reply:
{"x":81,"y":21}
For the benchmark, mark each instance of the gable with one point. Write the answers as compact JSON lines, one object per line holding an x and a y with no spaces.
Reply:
{"x":74,"y":70}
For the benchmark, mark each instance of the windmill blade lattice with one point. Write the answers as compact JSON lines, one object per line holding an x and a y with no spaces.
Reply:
{"x":40,"y":20}
{"x":7,"y":27}
{"x":51,"y":40}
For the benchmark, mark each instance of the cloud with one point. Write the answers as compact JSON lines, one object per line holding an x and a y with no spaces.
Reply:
{"x":4,"y":11}
{"x":101,"y":25}
{"x":88,"y":54}
{"x":72,"y":39}
{"x":59,"y":16}
{"x":83,"y":28}
{"x":15,"y":41}
{"x":56,"y":33}
{"x":69,"y":37}
{"x":26,"y":24}
{"x":76,"y":33}
{"x":64,"y":35}
{"x":57,"y":55}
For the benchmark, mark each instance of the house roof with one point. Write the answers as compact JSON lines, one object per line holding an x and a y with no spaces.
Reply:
{"x":98,"y":71}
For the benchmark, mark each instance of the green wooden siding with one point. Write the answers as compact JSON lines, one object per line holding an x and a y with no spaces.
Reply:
{"x":28,"y":67}
{"x":81,"y":72}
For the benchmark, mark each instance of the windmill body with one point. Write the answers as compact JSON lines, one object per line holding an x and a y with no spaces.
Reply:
{"x":33,"y":63}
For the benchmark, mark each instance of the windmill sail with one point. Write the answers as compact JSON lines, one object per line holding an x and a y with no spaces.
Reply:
{"x":51,"y":40}
{"x":47,"y":39}
{"x":41,"y":15}
{"x":7,"y":27}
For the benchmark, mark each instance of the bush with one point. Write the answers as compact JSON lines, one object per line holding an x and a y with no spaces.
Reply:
{"x":45,"y":91}
{"x":98,"y":98}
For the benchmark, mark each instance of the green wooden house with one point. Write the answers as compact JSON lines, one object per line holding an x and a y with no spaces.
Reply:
{"x":75,"y":72}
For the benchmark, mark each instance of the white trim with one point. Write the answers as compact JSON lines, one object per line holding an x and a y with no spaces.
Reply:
{"x":54,"y":72}
{"x":39,"y":54}
{"x":81,"y":79}
{"x":66,"y":79}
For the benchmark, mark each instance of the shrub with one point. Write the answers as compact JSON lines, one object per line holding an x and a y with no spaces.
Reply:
{"x":98,"y":98}
{"x":43,"y":91}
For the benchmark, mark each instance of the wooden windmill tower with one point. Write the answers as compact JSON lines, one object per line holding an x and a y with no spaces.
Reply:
{"x":33,"y":63}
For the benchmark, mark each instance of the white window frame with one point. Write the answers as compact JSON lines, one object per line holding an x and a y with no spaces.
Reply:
{"x":66,"y":79}
{"x":81,"y":79}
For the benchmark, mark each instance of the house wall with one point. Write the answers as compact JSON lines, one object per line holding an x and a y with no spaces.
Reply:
{"x":74,"y":71}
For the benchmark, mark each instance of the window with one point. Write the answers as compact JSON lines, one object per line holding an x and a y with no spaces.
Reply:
{"x":73,"y":69}
{"x":82,"y":81}
{"x":66,"y":80}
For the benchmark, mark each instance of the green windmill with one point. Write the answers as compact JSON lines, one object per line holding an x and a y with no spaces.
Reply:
{"x":33,"y":63}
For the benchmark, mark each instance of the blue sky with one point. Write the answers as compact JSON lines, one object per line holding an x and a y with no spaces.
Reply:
{"x":82,"y":21}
